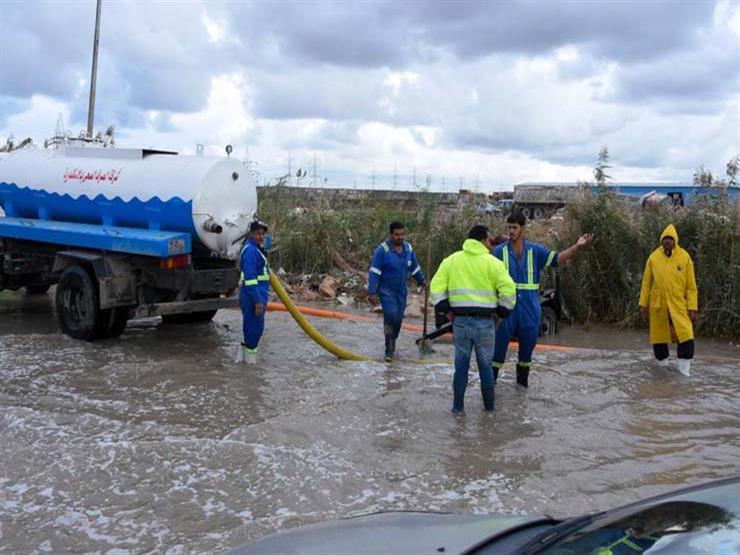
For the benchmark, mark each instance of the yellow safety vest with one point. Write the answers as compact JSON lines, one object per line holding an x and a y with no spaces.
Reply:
{"x":472,"y":278}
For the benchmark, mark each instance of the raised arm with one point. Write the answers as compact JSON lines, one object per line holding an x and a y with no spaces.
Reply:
{"x":565,"y":255}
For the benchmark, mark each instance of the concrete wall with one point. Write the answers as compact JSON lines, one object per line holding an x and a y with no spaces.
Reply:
{"x":307,"y":196}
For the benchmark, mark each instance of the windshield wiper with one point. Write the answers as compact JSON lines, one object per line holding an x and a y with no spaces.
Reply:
{"x":557,"y":533}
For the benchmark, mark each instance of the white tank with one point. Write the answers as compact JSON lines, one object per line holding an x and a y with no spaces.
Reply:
{"x":215,"y":199}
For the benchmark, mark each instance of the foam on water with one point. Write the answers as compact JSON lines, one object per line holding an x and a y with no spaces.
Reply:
{"x":158,"y":443}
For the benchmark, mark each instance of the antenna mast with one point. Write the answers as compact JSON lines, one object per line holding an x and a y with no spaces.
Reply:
{"x":94,"y":76}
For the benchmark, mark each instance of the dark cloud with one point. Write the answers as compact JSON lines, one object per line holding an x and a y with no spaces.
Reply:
{"x":394,"y":34}
{"x":694,"y":81}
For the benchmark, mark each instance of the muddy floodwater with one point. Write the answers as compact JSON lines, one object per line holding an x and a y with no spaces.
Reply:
{"x":158,"y":442}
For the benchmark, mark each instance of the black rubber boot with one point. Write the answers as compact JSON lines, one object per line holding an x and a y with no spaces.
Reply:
{"x":389,"y":348}
{"x":495,"y":374}
{"x":522,"y":375}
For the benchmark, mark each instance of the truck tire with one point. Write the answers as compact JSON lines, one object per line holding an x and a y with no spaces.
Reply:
{"x":78,"y":304}
{"x":526,"y":212}
{"x":37,"y":289}
{"x":189,"y":317}
{"x":538,"y":213}
{"x":113,"y":322}
{"x":548,"y":322}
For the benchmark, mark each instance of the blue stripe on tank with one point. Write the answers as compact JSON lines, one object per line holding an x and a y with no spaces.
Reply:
{"x":174,"y":214}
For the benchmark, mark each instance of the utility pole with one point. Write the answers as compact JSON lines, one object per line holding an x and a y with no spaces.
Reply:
{"x":413,"y":178}
{"x":94,"y":76}
{"x":395,"y":176}
{"x":373,"y":176}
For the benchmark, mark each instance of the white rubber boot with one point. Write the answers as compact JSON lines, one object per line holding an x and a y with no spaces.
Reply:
{"x":250,"y":358}
{"x":240,"y":354}
{"x":663,"y":363}
{"x":684,"y":366}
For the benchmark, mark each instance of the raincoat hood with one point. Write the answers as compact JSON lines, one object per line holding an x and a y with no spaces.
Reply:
{"x":670,"y":231}
{"x":473,"y":246}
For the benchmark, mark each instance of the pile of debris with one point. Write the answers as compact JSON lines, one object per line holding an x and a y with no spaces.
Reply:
{"x":347,"y":289}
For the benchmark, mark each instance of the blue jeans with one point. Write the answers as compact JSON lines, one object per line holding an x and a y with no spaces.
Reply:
{"x":473,"y":333}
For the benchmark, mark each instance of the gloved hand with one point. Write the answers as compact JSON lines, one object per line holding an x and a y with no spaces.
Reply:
{"x":502,"y":312}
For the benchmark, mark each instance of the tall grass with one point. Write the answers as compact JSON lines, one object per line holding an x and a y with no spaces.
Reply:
{"x":307,"y":238}
{"x":600,"y":284}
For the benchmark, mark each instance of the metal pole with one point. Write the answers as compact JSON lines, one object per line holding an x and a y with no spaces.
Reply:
{"x":94,"y":76}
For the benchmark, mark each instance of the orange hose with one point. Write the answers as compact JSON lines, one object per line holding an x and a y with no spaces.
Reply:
{"x":323,"y":313}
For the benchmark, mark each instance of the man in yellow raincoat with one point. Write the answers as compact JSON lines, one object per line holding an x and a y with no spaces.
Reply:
{"x":669,"y":296}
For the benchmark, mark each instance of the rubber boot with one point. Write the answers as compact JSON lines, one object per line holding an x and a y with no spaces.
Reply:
{"x":684,"y":366}
{"x":251,"y":357}
{"x":522,"y":375}
{"x":240,"y":354}
{"x":389,"y":348}
{"x":495,"y":374}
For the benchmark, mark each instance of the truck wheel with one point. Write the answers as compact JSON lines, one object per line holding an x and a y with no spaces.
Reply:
{"x":189,"y":317}
{"x":113,"y":322}
{"x":78,"y":304}
{"x":37,"y":289}
{"x":526,"y":212}
{"x":538,"y":213}
{"x":548,"y":322}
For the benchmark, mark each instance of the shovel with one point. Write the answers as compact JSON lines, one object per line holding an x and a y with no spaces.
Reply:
{"x":425,"y":345}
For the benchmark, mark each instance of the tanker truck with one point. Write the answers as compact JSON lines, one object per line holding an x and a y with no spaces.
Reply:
{"x":123,"y":232}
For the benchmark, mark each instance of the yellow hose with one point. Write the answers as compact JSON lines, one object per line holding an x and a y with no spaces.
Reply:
{"x":307,"y":327}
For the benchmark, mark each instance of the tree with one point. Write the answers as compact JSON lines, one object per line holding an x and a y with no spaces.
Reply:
{"x":602,"y":165}
{"x":733,"y":166}
{"x":703,"y":177}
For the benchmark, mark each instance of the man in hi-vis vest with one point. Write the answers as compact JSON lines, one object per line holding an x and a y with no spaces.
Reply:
{"x":473,"y":286}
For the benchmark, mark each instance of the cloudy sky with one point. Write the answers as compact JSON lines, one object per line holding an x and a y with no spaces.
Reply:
{"x":483,"y":93}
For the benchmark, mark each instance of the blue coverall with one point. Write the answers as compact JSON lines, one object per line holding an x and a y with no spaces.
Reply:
{"x":389,"y":272}
{"x":255,"y":286}
{"x":524,"y":321}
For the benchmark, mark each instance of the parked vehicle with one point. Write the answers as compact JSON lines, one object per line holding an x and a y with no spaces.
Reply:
{"x":691,"y":521}
{"x":487,"y":209}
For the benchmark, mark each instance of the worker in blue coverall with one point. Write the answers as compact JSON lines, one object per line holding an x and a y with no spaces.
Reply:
{"x":394,"y":260}
{"x":255,"y":286}
{"x":525,"y":261}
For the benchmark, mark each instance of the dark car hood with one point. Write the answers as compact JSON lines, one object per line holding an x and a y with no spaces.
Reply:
{"x":391,"y":532}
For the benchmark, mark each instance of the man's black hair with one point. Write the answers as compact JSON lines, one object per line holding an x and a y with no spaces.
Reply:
{"x":516,"y":218}
{"x":256,"y":224}
{"x":396,"y":225}
{"x":478,"y":232}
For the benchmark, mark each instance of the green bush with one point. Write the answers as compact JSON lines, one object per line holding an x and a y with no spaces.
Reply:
{"x":307,"y":239}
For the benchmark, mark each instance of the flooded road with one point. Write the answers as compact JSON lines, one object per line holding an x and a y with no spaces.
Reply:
{"x":157,"y":442}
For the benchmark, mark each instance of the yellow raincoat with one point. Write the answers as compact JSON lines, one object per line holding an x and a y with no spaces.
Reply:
{"x":669,"y":292}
